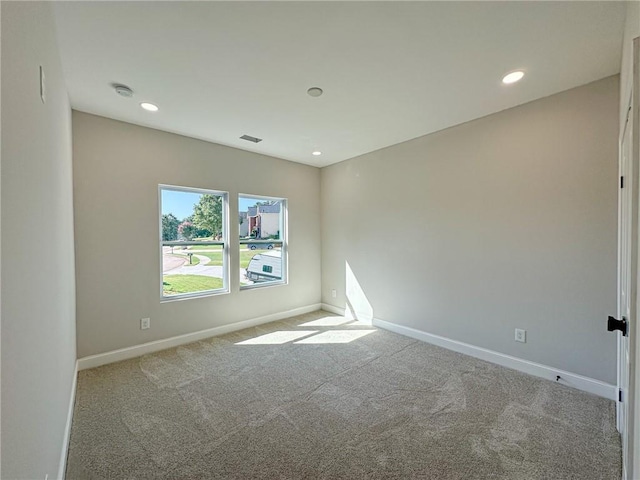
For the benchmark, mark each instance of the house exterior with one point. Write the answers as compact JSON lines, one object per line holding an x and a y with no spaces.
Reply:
{"x":264,"y":220}
{"x":244,"y":224}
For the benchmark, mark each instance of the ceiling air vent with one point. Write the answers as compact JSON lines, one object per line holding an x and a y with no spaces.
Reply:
{"x":249,"y":138}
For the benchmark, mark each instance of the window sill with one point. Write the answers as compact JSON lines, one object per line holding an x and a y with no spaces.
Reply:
{"x":189,"y":296}
{"x":263,"y":285}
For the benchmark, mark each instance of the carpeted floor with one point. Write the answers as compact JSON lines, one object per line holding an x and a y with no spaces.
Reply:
{"x":349,"y":401}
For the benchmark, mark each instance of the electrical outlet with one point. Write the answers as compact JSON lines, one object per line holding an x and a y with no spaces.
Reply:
{"x":521,"y":335}
{"x":145,"y":323}
{"x":334,"y":294}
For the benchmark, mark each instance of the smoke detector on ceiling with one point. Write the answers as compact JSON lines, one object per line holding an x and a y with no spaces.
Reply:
{"x":123,"y":90}
{"x":314,"y":91}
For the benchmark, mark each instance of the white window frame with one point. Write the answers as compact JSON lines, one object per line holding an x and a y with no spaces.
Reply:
{"x":284,"y":240}
{"x":224,"y":242}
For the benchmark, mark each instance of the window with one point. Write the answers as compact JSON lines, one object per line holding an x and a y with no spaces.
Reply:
{"x":194,"y":246}
{"x":262,"y":229}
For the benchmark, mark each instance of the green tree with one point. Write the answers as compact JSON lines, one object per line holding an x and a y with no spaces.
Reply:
{"x":199,"y":232}
{"x":169,"y":227}
{"x":207,"y":214}
{"x":186,"y":230}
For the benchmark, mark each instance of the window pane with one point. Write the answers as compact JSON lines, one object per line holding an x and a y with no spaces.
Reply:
{"x":262,"y":240}
{"x":193,"y":241}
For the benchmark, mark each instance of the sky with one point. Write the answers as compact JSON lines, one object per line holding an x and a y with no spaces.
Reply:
{"x":181,"y":203}
{"x":244,"y":203}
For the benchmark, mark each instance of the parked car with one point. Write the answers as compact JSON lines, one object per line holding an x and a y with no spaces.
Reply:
{"x":254,"y":246}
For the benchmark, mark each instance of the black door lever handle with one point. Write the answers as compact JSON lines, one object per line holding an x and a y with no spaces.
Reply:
{"x":615,"y":324}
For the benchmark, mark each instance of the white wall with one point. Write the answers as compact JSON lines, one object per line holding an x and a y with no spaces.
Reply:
{"x":38,"y":291}
{"x":631,"y":31}
{"x":117,"y":169}
{"x":503,"y":222}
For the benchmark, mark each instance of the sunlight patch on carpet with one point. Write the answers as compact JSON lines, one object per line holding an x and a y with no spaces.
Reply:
{"x":277,"y":338}
{"x":327,"y":322}
{"x":336,"y":336}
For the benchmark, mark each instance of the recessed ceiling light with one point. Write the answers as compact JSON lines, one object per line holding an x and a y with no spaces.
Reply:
{"x":316,"y":153}
{"x":149,"y":106}
{"x":314,"y":91}
{"x":513,"y":77}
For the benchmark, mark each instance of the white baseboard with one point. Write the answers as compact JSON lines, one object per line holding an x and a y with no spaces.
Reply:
{"x":100,"y":359}
{"x":333,"y":309}
{"x":574,"y":380}
{"x":67,"y":429}
{"x":543,"y":371}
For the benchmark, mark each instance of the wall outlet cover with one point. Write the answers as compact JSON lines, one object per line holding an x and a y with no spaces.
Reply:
{"x":145,"y":323}
{"x":521,"y":335}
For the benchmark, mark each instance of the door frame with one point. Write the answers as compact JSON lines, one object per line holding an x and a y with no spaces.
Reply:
{"x":629,"y":434}
{"x":631,"y":465}
{"x":627,"y":296}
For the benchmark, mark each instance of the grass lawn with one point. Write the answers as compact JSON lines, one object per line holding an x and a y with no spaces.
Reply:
{"x":176,"y":284}
{"x":214,"y":254}
{"x":215,"y":258}
{"x":194,"y":261}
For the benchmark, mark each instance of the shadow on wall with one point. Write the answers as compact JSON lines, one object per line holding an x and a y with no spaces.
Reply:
{"x":357,"y":303}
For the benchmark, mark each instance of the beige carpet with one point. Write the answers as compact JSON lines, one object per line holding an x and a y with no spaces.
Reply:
{"x":348,"y":401}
